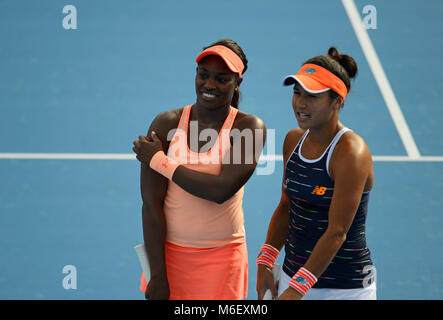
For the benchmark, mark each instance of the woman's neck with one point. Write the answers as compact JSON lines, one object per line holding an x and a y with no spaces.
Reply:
{"x":323,"y":135}
{"x":209,"y":116}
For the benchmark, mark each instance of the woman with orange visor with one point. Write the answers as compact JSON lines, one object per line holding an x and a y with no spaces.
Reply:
{"x":328,"y":174}
{"x":192,"y":184}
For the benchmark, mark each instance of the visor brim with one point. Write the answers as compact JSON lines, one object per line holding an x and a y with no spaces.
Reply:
{"x":307,"y":83}
{"x":238,"y":69}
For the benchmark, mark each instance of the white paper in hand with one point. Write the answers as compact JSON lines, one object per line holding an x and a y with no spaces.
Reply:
{"x":275,"y":272}
{"x":144,"y":261}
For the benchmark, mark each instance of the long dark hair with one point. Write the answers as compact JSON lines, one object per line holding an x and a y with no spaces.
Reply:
{"x":231,"y":44}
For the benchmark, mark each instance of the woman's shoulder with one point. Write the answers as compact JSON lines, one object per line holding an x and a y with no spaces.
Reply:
{"x":165,"y":121}
{"x":351,"y":149}
{"x":294,"y":134}
{"x":351,"y":158}
{"x":352,"y":143}
{"x":291,"y":139}
{"x":245,"y":120}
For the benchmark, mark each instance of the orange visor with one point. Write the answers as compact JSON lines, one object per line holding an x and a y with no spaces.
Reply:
{"x":316,"y":79}
{"x":232,"y":60}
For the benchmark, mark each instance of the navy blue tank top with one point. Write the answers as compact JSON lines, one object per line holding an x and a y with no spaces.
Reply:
{"x":309,"y":189}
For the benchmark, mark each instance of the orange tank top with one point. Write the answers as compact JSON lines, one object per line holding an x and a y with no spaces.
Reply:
{"x":196,"y":222}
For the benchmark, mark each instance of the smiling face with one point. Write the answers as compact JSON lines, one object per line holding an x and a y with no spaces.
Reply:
{"x":215,"y":83}
{"x":313,"y":110}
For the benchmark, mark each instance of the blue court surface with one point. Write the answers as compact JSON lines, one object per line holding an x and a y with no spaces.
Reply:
{"x":73,"y":100}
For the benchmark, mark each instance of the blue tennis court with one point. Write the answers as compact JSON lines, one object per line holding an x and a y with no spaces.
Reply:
{"x":73,"y":100}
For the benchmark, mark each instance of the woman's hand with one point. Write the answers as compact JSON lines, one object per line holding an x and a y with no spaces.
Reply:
{"x":290,"y":294}
{"x":157,"y":289}
{"x":146,"y":148}
{"x":265,"y":281}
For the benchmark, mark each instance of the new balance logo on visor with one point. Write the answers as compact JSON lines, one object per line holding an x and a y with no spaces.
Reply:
{"x":319,"y":190}
{"x":310,"y":70}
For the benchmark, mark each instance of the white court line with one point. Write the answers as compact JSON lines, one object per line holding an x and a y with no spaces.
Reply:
{"x":381,"y":79}
{"x":130,"y":156}
{"x":407,"y":159}
{"x":69,"y":156}
{"x":279,"y":157}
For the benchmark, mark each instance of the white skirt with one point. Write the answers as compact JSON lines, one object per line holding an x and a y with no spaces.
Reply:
{"x":367,"y":293}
